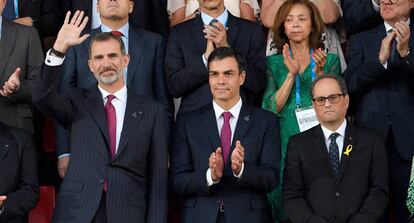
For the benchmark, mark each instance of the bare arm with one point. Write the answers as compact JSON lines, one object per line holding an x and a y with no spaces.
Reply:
{"x":330,"y":11}
{"x":269,"y":10}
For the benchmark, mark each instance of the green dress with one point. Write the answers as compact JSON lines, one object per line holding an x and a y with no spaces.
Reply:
{"x":277,"y":73}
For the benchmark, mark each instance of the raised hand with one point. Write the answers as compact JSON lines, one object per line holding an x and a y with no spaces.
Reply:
{"x":403,"y":36}
{"x":69,"y":33}
{"x":2,"y":199}
{"x":319,"y":56}
{"x":385,"y":51}
{"x":216,"y":165}
{"x":217,"y":34}
{"x":237,"y":158}
{"x":291,"y":63}
{"x":12,"y":84}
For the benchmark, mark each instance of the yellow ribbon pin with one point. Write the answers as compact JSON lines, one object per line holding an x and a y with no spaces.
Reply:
{"x":348,"y":150}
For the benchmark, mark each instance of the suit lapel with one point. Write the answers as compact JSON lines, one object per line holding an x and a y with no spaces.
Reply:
{"x":246,"y":117}
{"x":209,"y":122}
{"x":132,"y":117}
{"x":319,"y":143}
{"x":233,"y":25}
{"x":347,"y":150}
{"x":136,"y":45}
{"x":7,"y":42}
{"x":197,"y":32}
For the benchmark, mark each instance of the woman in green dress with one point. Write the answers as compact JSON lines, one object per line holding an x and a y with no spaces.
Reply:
{"x":298,"y":28}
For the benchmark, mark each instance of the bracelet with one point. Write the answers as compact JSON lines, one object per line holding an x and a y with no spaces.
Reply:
{"x":57,"y":53}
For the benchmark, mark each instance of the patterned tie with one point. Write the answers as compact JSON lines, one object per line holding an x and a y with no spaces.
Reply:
{"x":226,"y":135}
{"x":334,"y":155}
{"x":410,"y":197}
{"x":8,"y":12}
{"x":111,"y":121}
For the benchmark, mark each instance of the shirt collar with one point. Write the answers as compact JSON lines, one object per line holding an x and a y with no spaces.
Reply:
{"x":221,"y":18}
{"x":124,"y":29}
{"x":121,"y":94}
{"x":388,"y":26}
{"x":235,"y":110}
{"x":340,"y":130}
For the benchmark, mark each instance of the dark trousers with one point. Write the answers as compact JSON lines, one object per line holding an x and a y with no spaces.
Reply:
{"x":221,"y":218}
{"x":399,"y":170}
{"x":100,"y":215}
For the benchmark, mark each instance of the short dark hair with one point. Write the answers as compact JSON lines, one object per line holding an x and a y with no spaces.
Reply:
{"x":225,"y":52}
{"x":339,"y":80}
{"x":105,"y":36}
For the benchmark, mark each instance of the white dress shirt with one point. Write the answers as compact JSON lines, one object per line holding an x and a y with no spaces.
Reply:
{"x":235,"y":112}
{"x":96,"y":17}
{"x":339,"y":139}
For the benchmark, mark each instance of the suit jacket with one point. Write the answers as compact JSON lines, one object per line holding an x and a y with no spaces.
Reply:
{"x":145,"y":71}
{"x":310,"y":192}
{"x":187,"y":76}
{"x":147,"y":14}
{"x":382,"y":97}
{"x":18,"y":175}
{"x":137,"y":176}
{"x":19,"y":47}
{"x":196,"y":137}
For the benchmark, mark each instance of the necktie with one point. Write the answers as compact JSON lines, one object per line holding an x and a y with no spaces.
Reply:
{"x":410,"y":197}
{"x":226,"y":135}
{"x":8,"y":12}
{"x":111,"y":122}
{"x":117,"y":33}
{"x":393,"y":53}
{"x":334,"y":155}
{"x":212,"y":22}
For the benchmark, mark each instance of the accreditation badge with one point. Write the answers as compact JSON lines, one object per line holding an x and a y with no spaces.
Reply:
{"x":306,"y":118}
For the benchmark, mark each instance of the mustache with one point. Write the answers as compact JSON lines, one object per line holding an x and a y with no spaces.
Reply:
{"x":106,"y":69}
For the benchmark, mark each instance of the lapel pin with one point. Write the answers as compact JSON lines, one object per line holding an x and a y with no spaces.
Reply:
{"x":348,"y":150}
{"x":247,"y":118}
{"x":134,"y":115}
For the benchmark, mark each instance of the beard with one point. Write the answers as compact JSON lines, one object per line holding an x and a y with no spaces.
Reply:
{"x":107,"y":80}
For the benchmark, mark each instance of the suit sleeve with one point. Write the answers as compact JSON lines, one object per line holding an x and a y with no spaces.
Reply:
{"x":295,"y":204}
{"x":362,"y":71}
{"x":376,"y":201}
{"x":21,"y":201}
{"x":34,"y":62}
{"x":186,"y":181}
{"x":158,"y":171}
{"x":360,"y":16}
{"x":182,"y":78}
{"x":264,"y":174}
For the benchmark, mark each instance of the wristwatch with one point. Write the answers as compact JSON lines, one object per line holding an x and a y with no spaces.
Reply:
{"x":56,"y":53}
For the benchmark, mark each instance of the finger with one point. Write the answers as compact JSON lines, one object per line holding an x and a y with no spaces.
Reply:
{"x":2,"y":93}
{"x":67,"y":18}
{"x":84,"y":23}
{"x":16,"y":73}
{"x":218,"y":151}
{"x":83,"y":38}
{"x":79,"y":18}
{"x":3,"y":198}
{"x":75,"y":17}
{"x":239,"y":145}
{"x":286,"y":51}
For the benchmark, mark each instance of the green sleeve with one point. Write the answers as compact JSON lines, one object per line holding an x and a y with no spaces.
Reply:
{"x":269,"y":99}
{"x":332,"y":65}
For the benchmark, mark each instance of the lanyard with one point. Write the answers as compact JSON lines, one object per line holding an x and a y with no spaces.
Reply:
{"x":297,"y":80}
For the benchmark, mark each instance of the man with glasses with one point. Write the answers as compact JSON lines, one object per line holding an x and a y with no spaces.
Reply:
{"x":335,"y":172}
{"x":380,"y":78}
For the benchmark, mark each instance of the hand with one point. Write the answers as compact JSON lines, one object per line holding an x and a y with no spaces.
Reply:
{"x":2,"y":199}
{"x":69,"y":33}
{"x":63,"y":165}
{"x":27,"y":21}
{"x":209,"y":49}
{"x":291,"y":63}
{"x":403,"y":36}
{"x":217,"y":34}
{"x":319,"y":56}
{"x":12,"y":85}
{"x":216,"y":165}
{"x":237,"y":158}
{"x":385,"y":51}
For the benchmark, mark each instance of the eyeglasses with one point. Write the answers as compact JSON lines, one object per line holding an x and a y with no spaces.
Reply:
{"x":333,"y":99}
{"x":387,"y":1}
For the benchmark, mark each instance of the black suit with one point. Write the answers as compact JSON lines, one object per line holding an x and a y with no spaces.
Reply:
{"x":187,"y":76}
{"x":137,"y":176}
{"x":18,"y":174}
{"x":383,"y":100}
{"x":147,"y":14}
{"x":196,"y":137}
{"x":19,"y":47}
{"x":310,"y":192}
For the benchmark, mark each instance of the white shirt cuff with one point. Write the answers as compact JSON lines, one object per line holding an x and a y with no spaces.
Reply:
{"x":63,"y":155}
{"x":210,"y":181}
{"x":53,"y":60}
{"x":376,"y":6}
{"x":385,"y":64}
{"x":241,"y":172}
{"x":204,"y":60}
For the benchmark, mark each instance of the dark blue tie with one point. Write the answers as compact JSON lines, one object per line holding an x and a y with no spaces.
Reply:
{"x":212,"y":22}
{"x":394,"y":54}
{"x":8,"y":12}
{"x":334,"y":155}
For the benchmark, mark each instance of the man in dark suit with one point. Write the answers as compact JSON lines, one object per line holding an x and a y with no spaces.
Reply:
{"x":149,"y":15}
{"x":145,"y":73}
{"x":191,"y":42}
{"x":21,"y":60}
{"x":118,"y":169}
{"x":380,"y":78}
{"x":19,"y":187}
{"x":335,"y":172}
{"x":225,"y":156}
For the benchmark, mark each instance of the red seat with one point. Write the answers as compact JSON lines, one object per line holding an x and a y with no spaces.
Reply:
{"x":42,"y":213}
